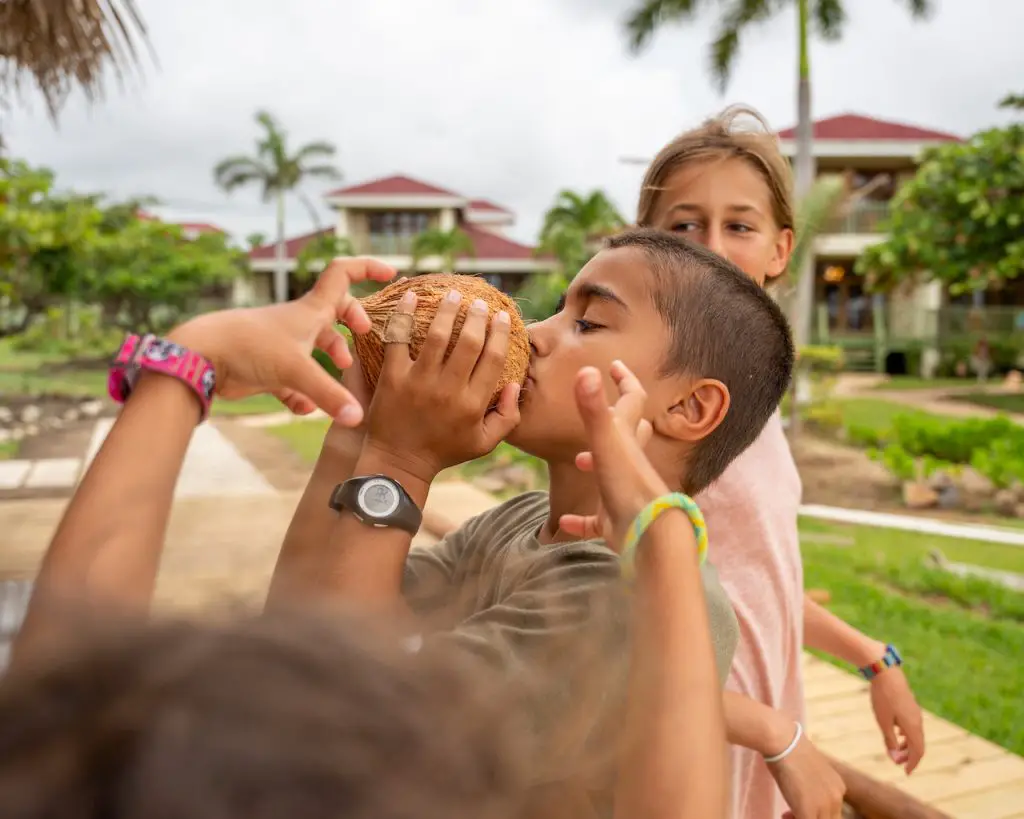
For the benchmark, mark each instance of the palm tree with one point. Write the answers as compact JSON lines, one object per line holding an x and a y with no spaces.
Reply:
{"x":827,"y":17}
{"x":61,"y":44}
{"x":593,"y":215}
{"x":574,"y":227}
{"x":315,"y":255}
{"x":255,"y":240}
{"x":278,"y":173}
{"x":448,"y":245}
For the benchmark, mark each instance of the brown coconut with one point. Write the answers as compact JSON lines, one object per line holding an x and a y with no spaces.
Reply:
{"x":431,"y":290}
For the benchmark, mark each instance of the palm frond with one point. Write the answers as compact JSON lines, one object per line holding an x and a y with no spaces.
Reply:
{"x":59,"y":45}
{"x":320,"y":171}
{"x":829,"y":17}
{"x":920,"y":9}
{"x":817,"y":210}
{"x":725,"y":47}
{"x":644,"y":21}
{"x":318,"y":150}
{"x":236,"y":171}
{"x":273,"y":145}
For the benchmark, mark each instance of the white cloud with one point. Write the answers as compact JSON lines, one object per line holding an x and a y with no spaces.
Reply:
{"x":508,"y":101}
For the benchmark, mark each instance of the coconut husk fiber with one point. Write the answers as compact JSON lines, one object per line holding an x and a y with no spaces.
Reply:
{"x":431,"y":290}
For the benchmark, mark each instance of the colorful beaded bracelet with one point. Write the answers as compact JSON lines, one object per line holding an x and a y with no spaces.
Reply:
{"x":889,"y":659}
{"x":650,"y":513}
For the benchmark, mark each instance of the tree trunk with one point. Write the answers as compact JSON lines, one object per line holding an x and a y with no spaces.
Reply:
{"x":803,"y":303}
{"x":280,"y":269}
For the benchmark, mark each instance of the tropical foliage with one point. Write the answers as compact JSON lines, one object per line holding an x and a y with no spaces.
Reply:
{"x":446,"y":245}
{"x":58,"y":249}
{"x":319,"y":251}
{"x":960,"y":219}
{"x":574,"y":227}
{"x":277,"y":172}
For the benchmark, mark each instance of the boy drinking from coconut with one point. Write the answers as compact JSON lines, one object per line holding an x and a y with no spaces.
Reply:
{"x":711,"y":350}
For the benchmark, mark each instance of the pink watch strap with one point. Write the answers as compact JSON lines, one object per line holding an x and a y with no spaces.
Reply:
{"x":158,"y":355}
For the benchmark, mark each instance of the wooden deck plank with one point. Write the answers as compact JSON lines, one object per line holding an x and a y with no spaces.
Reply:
{"x":1002,"y":802}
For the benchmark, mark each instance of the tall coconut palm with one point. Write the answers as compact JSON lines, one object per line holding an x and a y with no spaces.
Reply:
{"x":447,"y":245}
{"x":736,"y":16}
{"x":61,"y":44}
{"x":278,"y":173}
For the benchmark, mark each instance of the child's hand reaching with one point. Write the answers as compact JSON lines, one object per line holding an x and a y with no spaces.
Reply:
{"x":267,"y":349}
{"x":626,"y":479}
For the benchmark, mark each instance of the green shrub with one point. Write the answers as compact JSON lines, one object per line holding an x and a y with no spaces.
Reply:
{"x":993,"y":446}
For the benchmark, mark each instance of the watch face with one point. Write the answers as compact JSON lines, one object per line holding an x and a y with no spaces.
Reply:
{"x":378,"y":498}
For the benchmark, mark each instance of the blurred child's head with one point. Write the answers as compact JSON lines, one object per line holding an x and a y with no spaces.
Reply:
{"x":270,"y":719}
{"x":727,"y":187}
{"x":711,"y":348}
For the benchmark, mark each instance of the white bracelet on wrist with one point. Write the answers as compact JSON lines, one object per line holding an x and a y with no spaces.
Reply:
{"x":771,"y":760}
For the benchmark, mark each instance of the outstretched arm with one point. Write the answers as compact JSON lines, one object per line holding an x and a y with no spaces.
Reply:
{"x":106,"y":550}
{"x":896,"y":710}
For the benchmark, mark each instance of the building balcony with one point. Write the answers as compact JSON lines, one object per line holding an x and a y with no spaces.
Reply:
{"x":865,"y":217}
{"x":382,"y":244}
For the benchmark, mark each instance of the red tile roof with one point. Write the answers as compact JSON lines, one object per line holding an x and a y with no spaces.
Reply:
{"x":855,"y":126}
{"x":486,"y":204}
{"x":489,"y":245}
{"x":292,"y":247}
{"x":198,"y":227}
{"x":398,"y":185}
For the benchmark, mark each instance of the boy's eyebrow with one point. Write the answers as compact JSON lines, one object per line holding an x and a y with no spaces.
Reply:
{"x":589,"y":291}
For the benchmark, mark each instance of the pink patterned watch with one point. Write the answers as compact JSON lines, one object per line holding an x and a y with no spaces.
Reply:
{"x":158,"y":355}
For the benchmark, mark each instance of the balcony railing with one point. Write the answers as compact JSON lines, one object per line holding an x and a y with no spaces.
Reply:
{"x":864,"y":217}
{"x":380,"y":244}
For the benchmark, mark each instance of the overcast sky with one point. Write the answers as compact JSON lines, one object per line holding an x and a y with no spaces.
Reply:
{"x":508,"y":101}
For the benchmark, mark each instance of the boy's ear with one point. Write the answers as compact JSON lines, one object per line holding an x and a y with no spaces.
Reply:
{"x":697,"y":413}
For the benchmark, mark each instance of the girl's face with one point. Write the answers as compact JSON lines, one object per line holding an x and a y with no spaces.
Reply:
{"x":726,"y":206}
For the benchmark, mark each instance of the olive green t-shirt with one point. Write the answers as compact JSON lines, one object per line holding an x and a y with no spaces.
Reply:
{"x":556,"y":616}
{"x":493,"y":587}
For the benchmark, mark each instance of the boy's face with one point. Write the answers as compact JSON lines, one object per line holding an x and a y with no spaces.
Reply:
{"x":608,"y":314}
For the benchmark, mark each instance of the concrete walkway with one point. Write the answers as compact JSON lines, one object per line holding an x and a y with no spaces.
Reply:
{"x":213,"y":466}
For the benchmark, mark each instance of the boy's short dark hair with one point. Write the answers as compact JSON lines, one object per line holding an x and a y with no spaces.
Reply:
{"x":724,"y":326}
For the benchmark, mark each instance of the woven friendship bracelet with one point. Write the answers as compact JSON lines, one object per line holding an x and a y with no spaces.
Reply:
{"x":650,"y":513}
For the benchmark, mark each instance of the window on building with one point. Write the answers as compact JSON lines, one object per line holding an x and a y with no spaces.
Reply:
{"x":399,"y":223}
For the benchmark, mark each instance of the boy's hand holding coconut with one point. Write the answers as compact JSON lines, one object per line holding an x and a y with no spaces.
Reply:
{"x":447,"y":375}
{"x":440,"y":380}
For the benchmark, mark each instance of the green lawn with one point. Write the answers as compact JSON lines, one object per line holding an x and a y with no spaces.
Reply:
{"x":913,"y":382}
{"x":962,"y":640}
{"x":305,"y":437}
{"x":46,"y":379}
{"x":254,"y":405}
{"x":875,"y":413}
{"x":1007,"y":402}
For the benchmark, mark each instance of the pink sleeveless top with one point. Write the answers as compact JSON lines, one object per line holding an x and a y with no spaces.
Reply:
{"x":751,"y":513}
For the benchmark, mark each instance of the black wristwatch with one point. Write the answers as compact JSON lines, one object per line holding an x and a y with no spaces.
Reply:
{"x":378,"y":500}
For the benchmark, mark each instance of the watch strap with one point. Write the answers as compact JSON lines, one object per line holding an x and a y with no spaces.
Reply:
{"x":153,"y":354}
